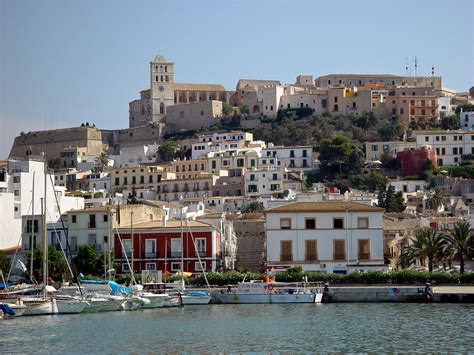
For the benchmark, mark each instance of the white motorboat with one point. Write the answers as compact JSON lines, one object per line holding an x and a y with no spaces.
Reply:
{"x":157,"y":300}
{"x":195,"y":297}
{"x":262,"y":292}
{"x":69,"y":306}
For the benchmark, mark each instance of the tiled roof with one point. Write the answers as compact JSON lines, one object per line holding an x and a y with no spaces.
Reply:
{"x":169,"y":224}
{"x":327,"y":206}
{"x":198,"y":87}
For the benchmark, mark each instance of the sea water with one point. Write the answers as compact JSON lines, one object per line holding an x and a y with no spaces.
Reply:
{"x":355,"y":327}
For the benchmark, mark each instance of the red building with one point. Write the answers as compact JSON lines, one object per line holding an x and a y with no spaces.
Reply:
{"x":413,"y":162}
{"x":157,"y":246}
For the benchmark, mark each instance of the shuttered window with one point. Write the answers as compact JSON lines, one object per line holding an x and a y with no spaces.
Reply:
{"x":339,"y":250}
{"x":285,"y":223}
{"x":311,"y":252}
{"x":286,"y":250}
{"x":364,"y":249}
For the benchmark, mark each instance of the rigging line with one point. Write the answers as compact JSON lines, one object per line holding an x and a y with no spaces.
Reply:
{"x":199,"y":257}
{"x":126,"y":256}
{"x":61,"y":246}
{"x":68,"y":247}
{"x":19,"y":242}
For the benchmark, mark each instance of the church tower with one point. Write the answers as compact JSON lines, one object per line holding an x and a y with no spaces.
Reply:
{"x":162,"y":87}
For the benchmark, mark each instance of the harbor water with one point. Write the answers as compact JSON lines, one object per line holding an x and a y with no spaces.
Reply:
{"x":356,"y":327}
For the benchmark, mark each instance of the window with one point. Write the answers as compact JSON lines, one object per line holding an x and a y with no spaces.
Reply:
{"x":338,"y":223}
{"x":339,"y":249}
{"x":240,"y":163}
{"x":213,"y":164}
{"x":427,"y":139}
{"x":175,"y":247}
{"x":92,"y":238}
{"x":363,"y":222}
{"x":150,"y":248}
{"x":443,"y":151}
{"x":285,"y":223}
{"x":125,"y":267}
{"x":202,"y":113}
{"x":175,"y":266}
{"x":375,"y":147}
{"x":16,"y":179}
{"x":286,"y":250}
{"x":310,"y":250}
{"x":455,"y":151}
{"x":126,"y":248}
{"x":443,"y":138}
{"x":324,"y":103}
{"x":28,"y":226}
{"x":73,"y":243}
{"x":117,"y":181}
{"x":437,"y":138}
{"x":73,"y":218}
{"x":201,"y":246}
{"x":106,"y":217}
{"x":92,"y":223}
{"x":150,"y":266}
{"x":200,"y":267}
{"x":310,"y":223}
{"x":364,"y":249}
{"x":16,"y":193}
{"x":455,"y":138}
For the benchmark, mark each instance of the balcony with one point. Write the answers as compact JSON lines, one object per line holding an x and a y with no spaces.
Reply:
{"x":310,"y":257}
{"x":363,"y":256}
{"x":286,"y":257}
{"x":175,"y":254}
{"x":150,"y":254}
{"x":92,"y":225}
{"x":339,"y":257}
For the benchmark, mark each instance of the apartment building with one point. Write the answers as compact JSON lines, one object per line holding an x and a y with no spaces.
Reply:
{"x":177,"y":189}
{"x":142,"y":177}
{"x":411,"y":108}
{"x":158,"y":245}
{"x":335,"y":237}
{"x":296,"y":157}
{"x":187,"y":169}
{"x":231,"y":184}
{"x":466,"y":119}
{"x":449,"y":145}
{"x":134,"y":156}
{"x":261,"y":182}
{"x":233,"y":159}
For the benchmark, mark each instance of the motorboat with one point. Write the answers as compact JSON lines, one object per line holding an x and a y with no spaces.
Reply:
{"x":264,"y":292}
{"x":191,"y":297}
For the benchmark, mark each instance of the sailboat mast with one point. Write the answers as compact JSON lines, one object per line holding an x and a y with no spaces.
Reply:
{"x":45,"y":237}
{"x":32,"y":240}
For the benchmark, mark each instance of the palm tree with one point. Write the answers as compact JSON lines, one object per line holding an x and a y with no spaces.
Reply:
{"x":435,"y":198}
{"x":426,"y":244}
{"x":459,"y":242}
{"x":103,"y":160}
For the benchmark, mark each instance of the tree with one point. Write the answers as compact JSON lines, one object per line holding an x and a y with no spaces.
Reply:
{"x":426,"y":244}
{"x":227,"y":109}
{"x":391,"y":201}
{"x":167,"y":150}
{"x":435,"y":199}
{"x":450,"y":122}
{"x":4,"y":262}
{"x":463,"y":107}
{"x":366,"y":120}
{"x":376,"y":181}
{"x":254,"y":206}
{"x":89,"y":260}
{"x":335,"y":151}
{"x":57,"y":264}
{"x":103,"y":160}
{"x":244,"y":110}
{"x":459,"y":242}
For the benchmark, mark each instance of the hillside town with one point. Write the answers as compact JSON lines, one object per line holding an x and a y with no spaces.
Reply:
{"x":336,"y":174}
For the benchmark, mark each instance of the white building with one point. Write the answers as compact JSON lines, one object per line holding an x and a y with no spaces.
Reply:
{"x":262,"y":182}
{"x":409,"y":185}
{"x":466,"y":119}
{"x":16,"y":194}
{"x":296,"y":157}
{"x":375,"y":150}
{"x":338,"y":237}
{"x":133,"y":156}
{"x":449,"y":145}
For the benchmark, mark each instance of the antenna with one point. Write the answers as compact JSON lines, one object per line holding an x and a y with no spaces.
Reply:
{"x":416,"y":66}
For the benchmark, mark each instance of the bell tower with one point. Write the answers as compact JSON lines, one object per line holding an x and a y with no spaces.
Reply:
{"x":162,"y":87}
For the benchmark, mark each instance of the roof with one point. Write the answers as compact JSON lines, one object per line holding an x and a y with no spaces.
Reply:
{"x":169,"y":224}
{"x":198,"y":87}
{"x":243,"y":83}
{"x":360,"y":76}
{"x":327,"y":206}
{"x":426,"y":132}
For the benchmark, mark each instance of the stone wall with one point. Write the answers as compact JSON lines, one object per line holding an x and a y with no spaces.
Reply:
{"x":52,"y":142}
{"x":251,"y":243}
{"x":148,"y":134}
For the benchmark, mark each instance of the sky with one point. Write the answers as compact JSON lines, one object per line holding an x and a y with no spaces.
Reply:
{"x":65,"y":62}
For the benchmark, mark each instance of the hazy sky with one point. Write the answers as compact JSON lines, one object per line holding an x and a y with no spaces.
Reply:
{"x":77,"y":61}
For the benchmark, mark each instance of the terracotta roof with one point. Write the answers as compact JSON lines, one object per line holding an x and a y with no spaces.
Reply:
{"x":169,"y":224}
{"x":198,"y":87}
{"x":327,"y":206}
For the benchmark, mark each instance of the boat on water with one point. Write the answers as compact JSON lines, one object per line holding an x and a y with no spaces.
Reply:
{"x":191,"y":297}
{"x":265,"y":292}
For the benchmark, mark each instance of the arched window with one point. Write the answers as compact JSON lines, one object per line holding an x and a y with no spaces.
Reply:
{"x":162,"y":108}
{"x":256,"y":109}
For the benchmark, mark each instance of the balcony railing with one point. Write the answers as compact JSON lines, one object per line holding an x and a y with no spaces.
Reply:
{"x":339,"y":257}
{"x":150,"y":254}
{"x":364,"y":256}
{"x":175,"y":254}
{"x":92,"y":225}
{"x":286,"y":257}
{"x":311,"y":257}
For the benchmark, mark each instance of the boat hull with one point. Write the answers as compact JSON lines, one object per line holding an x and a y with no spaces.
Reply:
{"x":40,"y":308}
{"x":235,"y":298}
{"x":196,"y":299}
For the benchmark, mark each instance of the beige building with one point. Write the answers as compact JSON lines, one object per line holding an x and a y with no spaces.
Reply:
{"x":188,"y":169}
{"x":194,"y":188}
{"x":411,"y":108}
{"x":142,"y":177}
{"x":194,"y":115}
